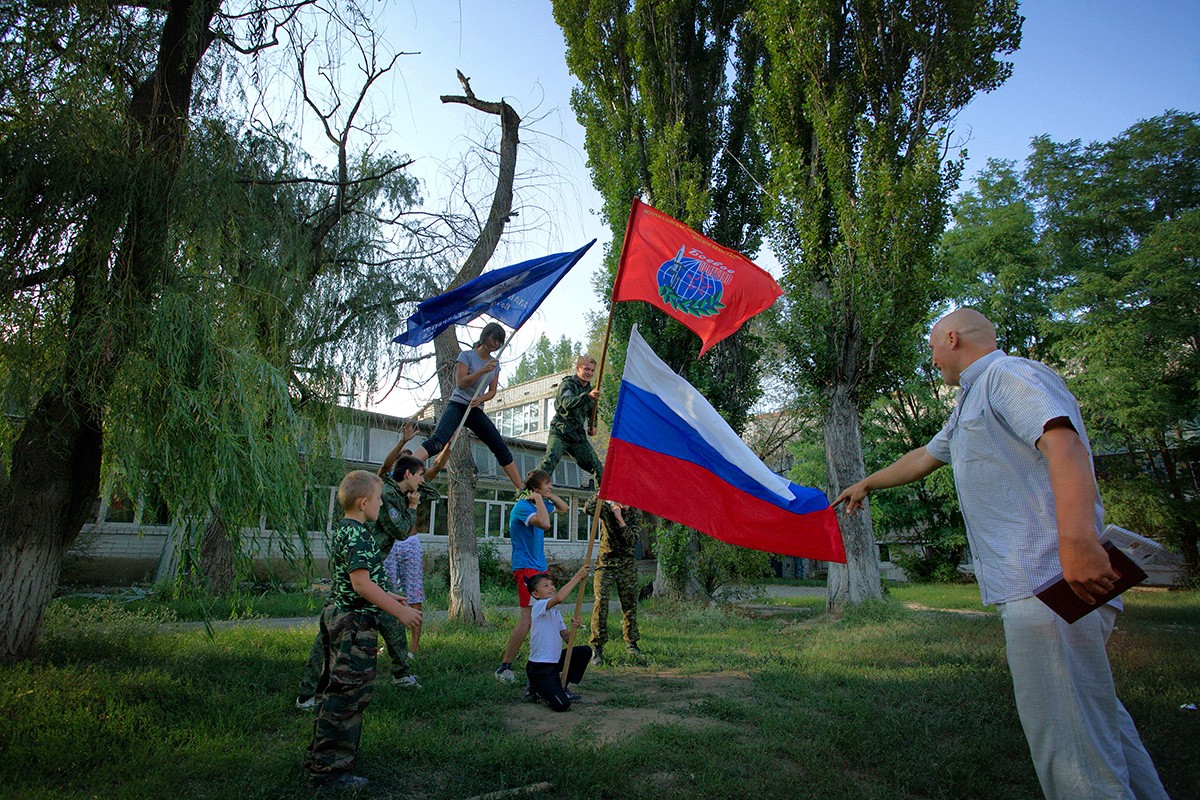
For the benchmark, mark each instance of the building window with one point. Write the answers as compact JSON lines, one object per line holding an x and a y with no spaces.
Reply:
{"x":517,"y":420}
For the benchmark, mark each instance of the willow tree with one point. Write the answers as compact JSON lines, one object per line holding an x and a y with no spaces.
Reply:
{"x":160,"y":273}
{"x":856,"y":100}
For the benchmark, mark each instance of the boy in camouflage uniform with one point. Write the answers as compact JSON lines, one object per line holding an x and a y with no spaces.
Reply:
{"x":615,"y":564}
{"x":571,"y":425}
{"x":397,"y":517}
{"x":348,"y":632}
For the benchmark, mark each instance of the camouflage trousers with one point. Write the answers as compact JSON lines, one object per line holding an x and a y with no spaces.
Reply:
{"x":394,"y":638}
{"x":622,"y":573}
{"x":582,"y":452}
{"x":345,"y":685}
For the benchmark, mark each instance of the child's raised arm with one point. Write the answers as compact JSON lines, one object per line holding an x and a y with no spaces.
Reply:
{"x":565,"y":591}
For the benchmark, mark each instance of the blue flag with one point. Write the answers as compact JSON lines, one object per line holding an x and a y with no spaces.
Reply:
{"x":509,"y":295}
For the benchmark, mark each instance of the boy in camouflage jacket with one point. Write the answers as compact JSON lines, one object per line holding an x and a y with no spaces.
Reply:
{"x":571,"y":425}
{"x":348,"y":631}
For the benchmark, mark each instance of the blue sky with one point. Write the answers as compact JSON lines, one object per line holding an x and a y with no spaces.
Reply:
{"x":1085,"y":70}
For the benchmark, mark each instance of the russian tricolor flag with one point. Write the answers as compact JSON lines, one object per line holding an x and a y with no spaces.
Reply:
{"x":672,"y":454}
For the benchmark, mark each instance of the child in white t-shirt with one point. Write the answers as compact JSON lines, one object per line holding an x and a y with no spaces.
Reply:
{"x":547,"y":634}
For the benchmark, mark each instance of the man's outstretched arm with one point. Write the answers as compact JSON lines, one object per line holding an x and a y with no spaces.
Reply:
{"x":912,"y":466}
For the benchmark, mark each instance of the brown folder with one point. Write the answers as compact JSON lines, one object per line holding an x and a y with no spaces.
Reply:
{"x":1057,"y":593}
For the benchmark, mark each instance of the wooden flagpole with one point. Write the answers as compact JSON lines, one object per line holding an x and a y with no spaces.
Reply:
{"x":444,"y":456}
{"x":612,"y":306}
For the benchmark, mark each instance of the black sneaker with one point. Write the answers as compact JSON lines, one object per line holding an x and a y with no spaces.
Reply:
{"x":528,"y":696}
{"x":572,"y":696}
{"x":633,"y":649}
{"x":597,"y":657}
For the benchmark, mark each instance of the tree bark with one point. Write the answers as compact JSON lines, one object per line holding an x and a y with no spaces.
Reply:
{"x":56,"y":460}
{"x":466,"y":602}
{"x":216,"y":556}
{"x":858,"y":579}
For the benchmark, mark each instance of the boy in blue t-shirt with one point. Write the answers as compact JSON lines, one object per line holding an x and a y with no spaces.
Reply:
{"x":527,"y":526}
{"x":349,"y":625}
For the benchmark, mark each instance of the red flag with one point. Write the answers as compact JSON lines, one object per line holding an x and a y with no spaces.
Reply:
{"x":709,"y":288}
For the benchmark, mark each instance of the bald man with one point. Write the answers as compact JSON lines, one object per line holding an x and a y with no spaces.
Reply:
{"x":1023,"y":471}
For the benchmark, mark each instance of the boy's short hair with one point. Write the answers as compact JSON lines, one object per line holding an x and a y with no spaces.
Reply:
{"x":406,"y":464}
{"x":584,"y":359}
{"x":355,"y":486}
{"x":536,"y":478}
{"x":531,"y":581}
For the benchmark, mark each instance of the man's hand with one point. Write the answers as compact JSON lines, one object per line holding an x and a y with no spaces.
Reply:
{"x":591,"y":430}
{"x":399,"y":598}
{"x":594,"y":393}
{"x":853,"y":496}
{"x":414,"y":498}
{"x":1086,"y":567}
{"x":410,"y":430}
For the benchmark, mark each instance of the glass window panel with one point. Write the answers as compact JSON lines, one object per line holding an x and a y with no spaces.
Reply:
{"x":352,"y":438}
{"x":380,"y":443}
{"x":439,"y":518}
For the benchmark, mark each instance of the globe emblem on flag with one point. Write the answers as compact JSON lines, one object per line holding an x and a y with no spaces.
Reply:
{"x":683,"y":286}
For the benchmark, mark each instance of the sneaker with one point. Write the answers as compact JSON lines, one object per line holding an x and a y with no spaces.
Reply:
{"x":408,"y":682}
{"x":597,"y":657}
{"x":505,"y":675}
{"x":528,"y":696}
{"x":411,"y":655}
{"x":343,"y":782}
{"x":633,"y":649}
{"x":574,"y":697}
{"x":305,"y":703}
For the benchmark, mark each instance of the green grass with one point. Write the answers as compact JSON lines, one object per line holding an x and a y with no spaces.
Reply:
{"x":887,"y":702}
{"x":261,"y":604}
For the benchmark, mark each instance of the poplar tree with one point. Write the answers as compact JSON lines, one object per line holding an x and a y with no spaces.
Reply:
{"x":665,"y":100}
{"x":857,"y":97}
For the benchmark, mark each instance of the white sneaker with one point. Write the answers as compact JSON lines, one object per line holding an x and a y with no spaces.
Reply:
{"x":505,"y":675}
{"x":306,"y":703}
{"x":408,"y":682}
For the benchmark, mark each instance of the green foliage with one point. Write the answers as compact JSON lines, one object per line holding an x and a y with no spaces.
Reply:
{"x":683,"y":554}
{"x":1088,"y":258}
{"x":664,"y":99}
{"x":217,"y":343}
{"x":492,"y":570}
{"x":855,"y":99}
{"x":992,"y":259}
{"x":546,"y":359}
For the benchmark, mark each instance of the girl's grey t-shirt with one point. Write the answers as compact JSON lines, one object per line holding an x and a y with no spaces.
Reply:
{"x":474,"y":363}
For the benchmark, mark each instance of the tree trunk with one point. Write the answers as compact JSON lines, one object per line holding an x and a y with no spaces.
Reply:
{"x":54,"y":481}
{"x":216,"y":557}
{"x":858,"y":579}
{"x":466,"y":602}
